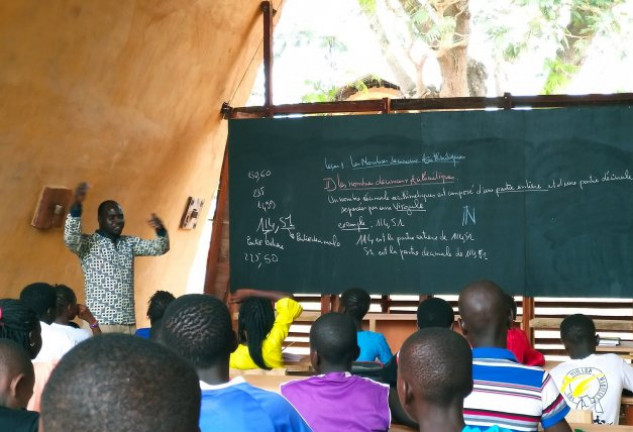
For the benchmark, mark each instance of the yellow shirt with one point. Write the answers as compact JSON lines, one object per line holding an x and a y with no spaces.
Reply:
{"x":287,"y":310}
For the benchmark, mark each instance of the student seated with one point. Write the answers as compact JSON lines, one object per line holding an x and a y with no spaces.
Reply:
{"x":373,"y":346}
{"x":42,"y":298}
{"x":21,"y":325}
{"x":122,"y":383}
{"x":518,"y":342}
{"x":198,"y":327}
{"x":155,"y":311}
{"x":67,"y":310}
{"x":260,"y":333}
{"x":16,"y":387}
{"x":434,"y":377}
{"x":336,"y":400}
{"x":591,"y":381}
{"x":506,"y":393}
{"x":432,"y":312}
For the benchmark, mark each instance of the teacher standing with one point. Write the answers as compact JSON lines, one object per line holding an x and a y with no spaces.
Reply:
{"x":107,"y":261}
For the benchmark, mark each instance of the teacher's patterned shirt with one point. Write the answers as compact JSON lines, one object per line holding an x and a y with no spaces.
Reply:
{"x":108,"y":267}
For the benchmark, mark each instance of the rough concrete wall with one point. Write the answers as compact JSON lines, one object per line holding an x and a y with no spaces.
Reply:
{"x":125,"y":95}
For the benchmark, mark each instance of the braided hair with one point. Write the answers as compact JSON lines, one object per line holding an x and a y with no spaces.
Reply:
{"x":355,"y":302}
{"x":17,"y":323}
{"x":254,"y":322}
{"x":65,"y":296}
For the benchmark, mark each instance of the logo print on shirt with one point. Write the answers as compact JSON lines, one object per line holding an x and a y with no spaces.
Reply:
{"x":584,"y":387}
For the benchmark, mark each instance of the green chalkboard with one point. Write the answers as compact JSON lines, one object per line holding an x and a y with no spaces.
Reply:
{"x":540,"y":201}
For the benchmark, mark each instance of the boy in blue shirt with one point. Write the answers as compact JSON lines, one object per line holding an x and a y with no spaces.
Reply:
{"x":198,"y":327}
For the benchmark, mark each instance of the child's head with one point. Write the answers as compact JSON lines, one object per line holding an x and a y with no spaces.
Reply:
{"x":435,"y":369}
{"x":66,"y":302}
{"x":198,"y":327}
{"x":118,"y":382}
{"x":157,"y":305}
{"x":42,"y":298}
{"x":20,"y":324}
{"x":578,"y":331}
{"x":333,"y":343}
{"x":16,"y":375}
{"x":435,"y":312}
{"x":483,"y":308}
{"x":355,"y":302}
{"x":254,"y":322}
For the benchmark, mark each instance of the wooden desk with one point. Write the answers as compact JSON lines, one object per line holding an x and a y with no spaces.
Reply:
{"x":599,"y":428}
{"x":625,"y":348}
{"x":298,"y":364}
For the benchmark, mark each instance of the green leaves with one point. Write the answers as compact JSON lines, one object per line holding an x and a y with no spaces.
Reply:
{"x":559,"y":74}
{"x":321,"y":92}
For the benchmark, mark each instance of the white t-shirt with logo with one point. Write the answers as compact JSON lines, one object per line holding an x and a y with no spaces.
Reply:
{"x":595,"y":382}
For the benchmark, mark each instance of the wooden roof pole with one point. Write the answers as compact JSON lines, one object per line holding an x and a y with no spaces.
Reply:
{"x":221,"y":209}
{"x":507,"y":101}
{"x":268,"y":11}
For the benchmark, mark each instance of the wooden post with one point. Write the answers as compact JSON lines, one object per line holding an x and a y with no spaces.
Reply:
{"x":385,"y":304}
{"x":335,"y":303}
{"x":267,"y":10}
{"x":216,"y":231}
{"x":327,"y":301}
{"x":507,"y":101}
{"x":387,"y":105}
{"x":528,"y":314}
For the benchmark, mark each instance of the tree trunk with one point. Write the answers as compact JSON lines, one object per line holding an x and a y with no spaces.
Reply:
{"x":477,"y":78}
{"x":453,"y":60}
{"x":403,"y":80}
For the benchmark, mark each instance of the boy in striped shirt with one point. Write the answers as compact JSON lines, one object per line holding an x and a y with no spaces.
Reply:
{"x":505,"y":393}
